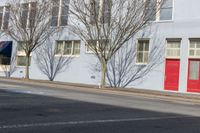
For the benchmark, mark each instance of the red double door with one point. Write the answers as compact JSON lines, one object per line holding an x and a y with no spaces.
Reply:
{"x":194,"y":75}
{"x":172,"y":68}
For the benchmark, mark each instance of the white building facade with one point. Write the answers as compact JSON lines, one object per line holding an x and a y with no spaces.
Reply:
{"x":177,"y":31}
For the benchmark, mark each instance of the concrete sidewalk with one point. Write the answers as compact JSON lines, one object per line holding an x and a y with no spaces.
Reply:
{"x":161,"y":95}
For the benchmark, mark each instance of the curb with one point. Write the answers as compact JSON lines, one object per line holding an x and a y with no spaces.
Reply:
{"x":161,"y":95}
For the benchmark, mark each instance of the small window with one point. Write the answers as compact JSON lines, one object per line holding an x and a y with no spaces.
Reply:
{"x":68,"y":48}
{"x":64,"y":13}
{"x":94,"y":11}
{"x":28,"y":14}
{"x":32,"y":14}
{"x":21,"y":55}
{"x":101,"y":46}
{"x":60,"y":12}
{"x":173,"y":49}
{"x":166,"y":10}
{"x":194,"y":51}
{"x":20,"y":49}
{"x":142,"y":52}
{"x":90,"y":45}
{"x":24,"y":14}
{"x":55,"y":13}
{"x":150,"y":10}
{"x":21,"y":61}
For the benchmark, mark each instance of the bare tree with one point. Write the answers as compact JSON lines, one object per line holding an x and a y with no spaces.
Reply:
{"x":106,"y":25}
{"x":123,"y":69}
{"x":49,"y":63}
{"x":29,"y":25}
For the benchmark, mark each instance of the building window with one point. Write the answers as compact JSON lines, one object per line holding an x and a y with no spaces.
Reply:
{"x":166,"y":10}
{"x":60,"y":12}
{"x":32,"y":14}
{"x":159,"y":12}
{"x":101,"y":46}
{"x":67,"y":48}
{"x":90,"y":45}
{"x":4,"y":17}
{"x":21,"y":61}
{"x":28,"y":13}
{"x":94,"y":11}
{"x":21,"y":55}
{"x":173,"y":48}
{"x":194,"y":49}
{"x":142,"y":52}
{"x":24,"y":13}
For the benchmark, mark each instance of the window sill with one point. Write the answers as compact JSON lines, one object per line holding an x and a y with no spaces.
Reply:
{"x":21,"y":66}
{"x":141,"y":64}
{"x":73,"y":56}
{"x":87,"y":52}
{"x":164,"y":21}
{"x":192,"y":57}
{"x":173,"y":58}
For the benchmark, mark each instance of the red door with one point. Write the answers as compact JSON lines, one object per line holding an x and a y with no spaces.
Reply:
{"x":194,"y":76}
{"x":172,"y":74}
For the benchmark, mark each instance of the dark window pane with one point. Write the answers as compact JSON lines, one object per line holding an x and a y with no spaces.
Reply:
{"x":4,"y":60}
{"x":54,"y":21}
{"x":32,"y":14}
{"x":55,"y":11}
{"x":6,"y":20}
{"x":94,"y":10}
{"x":64,"y":20}
{"x":150,"y":10}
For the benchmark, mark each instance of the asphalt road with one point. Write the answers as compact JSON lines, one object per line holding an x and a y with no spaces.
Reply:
{"x":30,"y":113}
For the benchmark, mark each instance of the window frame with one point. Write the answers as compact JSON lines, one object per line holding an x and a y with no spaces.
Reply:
{"x":21,"y":53}
{"x":195,"y":48}
{"x":59,"y":17}
{"x":96,"y":42}
{"x":143,"y":51}
{"x":166,"y":47}
{"x":157,"y":17}
{"x":28,"y":19}
{"x":106,"y":18}
{"x":64,"y":42}
{"x":22,"y":65}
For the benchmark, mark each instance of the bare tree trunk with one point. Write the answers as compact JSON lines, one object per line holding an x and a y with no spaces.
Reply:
{"x":27,"y":65}
{"x":103,"y":73}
